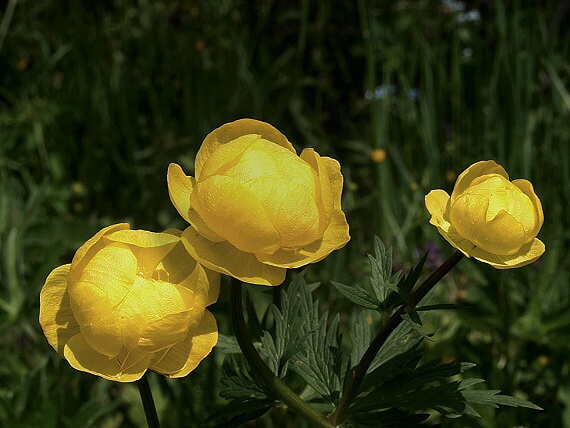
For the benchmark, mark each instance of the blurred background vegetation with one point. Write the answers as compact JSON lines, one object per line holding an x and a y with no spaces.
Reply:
{"x":97,"y":97}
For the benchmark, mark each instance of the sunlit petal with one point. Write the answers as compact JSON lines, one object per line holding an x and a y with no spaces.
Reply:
{"x":233,"y":130}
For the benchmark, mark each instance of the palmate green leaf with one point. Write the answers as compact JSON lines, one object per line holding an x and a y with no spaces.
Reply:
{"x":398,"y":383}
{"x":381,"y":276}
{"x":239,"y":382}
{"x":291,"y":329}
{"x":318,"y":362}
{"x":388,"y":290}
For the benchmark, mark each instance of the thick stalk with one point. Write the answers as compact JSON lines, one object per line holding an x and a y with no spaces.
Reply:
{"x":275,"y":386}
{"x":148,"y":402}
{"x":393,"y":322}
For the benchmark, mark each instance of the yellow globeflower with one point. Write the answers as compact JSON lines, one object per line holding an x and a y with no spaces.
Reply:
{"x":489,"y":217}
{"x":256,"y":208}
{"x":131,"y":300}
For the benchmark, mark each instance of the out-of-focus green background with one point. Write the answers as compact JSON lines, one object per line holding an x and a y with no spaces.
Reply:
{"x":98,"y":97}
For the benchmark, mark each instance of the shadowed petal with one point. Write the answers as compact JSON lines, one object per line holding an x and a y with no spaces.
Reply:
{"x":335,"y":236}
{"x":527,"y":254}
{"x":82,"y":357}
{"x":225,"y":258}
{"x":184,"y":357}
{"x":180,"y":188}
{"x":56,"y":317}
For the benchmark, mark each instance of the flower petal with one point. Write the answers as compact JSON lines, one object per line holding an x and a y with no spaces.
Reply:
{"x":527,"y":254}
{"x":82,"y":357}
{"x":437,"y":203}
{"x":185,"y":356}
{"x":56,"y":317}
{"x":527,"y":189}
{"x":155,"y":314}
{"x":476,"y":170}
{"x":104,"y":282}
{"x":325,"y":171}
{"x":148,"y":247}
{"x":92,"y":245}
{"x":227,"y":259}
{"x":335,"y":236}
{"x":228,"y":155}
{"x":235,"y":213}
{"x":180,"y":188}
{"x":233,"y":130}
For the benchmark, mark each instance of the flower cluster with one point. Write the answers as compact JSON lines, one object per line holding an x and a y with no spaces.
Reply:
{"x":133,"y":300}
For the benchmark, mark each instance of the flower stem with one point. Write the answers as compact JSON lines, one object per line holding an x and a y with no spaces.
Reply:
{"x":274,"y":385}
{"x":388,"y":328}
{"x":148,"y":402}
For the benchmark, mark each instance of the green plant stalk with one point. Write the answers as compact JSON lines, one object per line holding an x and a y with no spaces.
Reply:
{"x":272,"y":382}
{"x":148,"y":402}
{"x":388,"y":328}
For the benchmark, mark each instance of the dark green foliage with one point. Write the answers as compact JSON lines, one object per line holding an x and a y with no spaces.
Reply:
{"x":397,"y":384}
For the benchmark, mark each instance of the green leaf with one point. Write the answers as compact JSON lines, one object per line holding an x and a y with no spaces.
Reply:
{"x":291,"y":334}
{"x":405,"y":286}
{"x":400,"y":341}
{"x":444,"y":306}
{"x":492,"y":398}
{"x":381,"y":278}
{"x":239,"y":382}
{"x":359,"y":338}
{"x":319,"y":361}
{"x":357,"y":295}
{"x":227,"y":345}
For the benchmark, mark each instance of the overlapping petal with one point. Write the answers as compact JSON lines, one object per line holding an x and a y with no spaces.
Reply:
{"x":180,"y":188}
{"x":185,"y":356}
{"x":225,"y":258}
{"x":232,"y":131}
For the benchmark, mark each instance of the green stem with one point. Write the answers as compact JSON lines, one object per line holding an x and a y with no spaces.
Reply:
{"x":148,"y":402}
{"x":275,"y":386}
{"x":393,"y":322}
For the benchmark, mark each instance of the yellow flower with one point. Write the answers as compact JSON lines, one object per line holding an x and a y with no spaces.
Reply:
{"x":489,"y":217}
{"x":256,"y":208}
{"x":131,"y":300}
